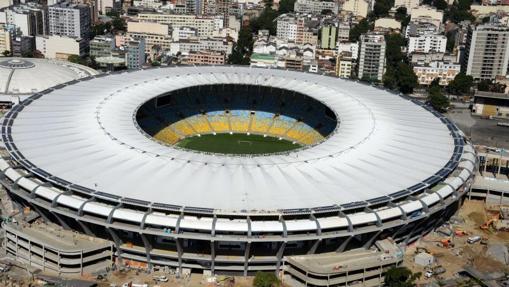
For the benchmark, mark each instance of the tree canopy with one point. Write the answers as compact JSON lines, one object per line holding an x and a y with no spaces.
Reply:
{"x":241,"y":52}
{"x":461,"y":84}
{"x":265,"y":279}
{"x":401,"y":277}
{"x":286,"y":6}
{"x":382,"y":7}
{"x":361,"y":28}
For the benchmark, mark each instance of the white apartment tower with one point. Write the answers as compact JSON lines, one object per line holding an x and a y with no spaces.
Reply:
{"x":372,"y":57}
{"x":70,"y":20}
{"x":486,"y":51}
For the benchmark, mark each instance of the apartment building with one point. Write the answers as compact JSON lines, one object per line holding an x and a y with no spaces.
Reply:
{"x":70,"y":20}
{"x":101,"y":46}
{"x":359,"y":8}
{"x":204,"y":25}
{"x":154,"y":34}
{"x":205,"y":58}
{"x":427,"y":44}
{"x":213,"y":44}
{"x":135,"y":56}
{"x":315,"y":6}
{"x":372,"y":56}
{"x":486,"y":53}
{"x":29,"y":18}
{"x":437,"y":69}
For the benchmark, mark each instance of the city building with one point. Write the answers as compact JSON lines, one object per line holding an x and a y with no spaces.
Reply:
{"x":212,"y":44}
{"x":5,"y":39}
{"x":315,"y":6}
{"x":387,"y":24}
{"x":263,"y":60}
{"x":343,"y":32}
{"x":427,"y":12}
{"x":371,"y":57}
{"x":426,"y":58}
{"x":205,"y":58}
{"x":135,"y":56}
{"x":29,"y":18}
{"x":344,"y":65}
{"x":427,"y":43}
{"x":486,"y":53}
{"x":154,"y":34}
{"x":328,"y":37}
{"x":70,"y":20}
{"x":437,"y":69}
{"x":358,"y":8}
{"x":101,"y":46}
{"x":286,"y":27}
{"x":61,"y":47}
{"x":408,"y":4}
{"x":204,"y":25}
{"x":350,"y":47}
{"x":22,"y":46}
{"x":421,"y":27}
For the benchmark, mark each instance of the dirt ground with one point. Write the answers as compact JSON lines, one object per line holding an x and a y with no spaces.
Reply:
{"x":471,"y":216}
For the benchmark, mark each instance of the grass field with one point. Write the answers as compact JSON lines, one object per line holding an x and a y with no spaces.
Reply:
{"x":237,"y":144}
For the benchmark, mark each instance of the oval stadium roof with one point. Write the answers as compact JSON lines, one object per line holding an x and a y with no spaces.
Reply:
{"x":86,"y":135}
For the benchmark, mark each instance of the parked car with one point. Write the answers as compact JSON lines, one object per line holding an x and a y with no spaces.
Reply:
{"x":474,"y":239}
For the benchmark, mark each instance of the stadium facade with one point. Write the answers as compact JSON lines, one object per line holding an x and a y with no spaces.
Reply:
{"x":80,"y":155}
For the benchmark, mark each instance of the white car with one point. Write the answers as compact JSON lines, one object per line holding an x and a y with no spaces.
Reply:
{"x":428,"y":274}
{"x":161,"y":278}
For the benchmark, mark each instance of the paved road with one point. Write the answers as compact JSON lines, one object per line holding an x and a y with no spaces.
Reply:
{"x":482,"y":132}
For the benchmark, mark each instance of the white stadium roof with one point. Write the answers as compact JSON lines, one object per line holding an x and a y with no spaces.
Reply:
{"x":86,"y":134}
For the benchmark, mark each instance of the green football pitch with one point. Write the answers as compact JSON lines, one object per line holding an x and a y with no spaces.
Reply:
{"x":237,"y":144}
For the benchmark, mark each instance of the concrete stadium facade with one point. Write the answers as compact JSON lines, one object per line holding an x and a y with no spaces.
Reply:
{"x":237,"y":239}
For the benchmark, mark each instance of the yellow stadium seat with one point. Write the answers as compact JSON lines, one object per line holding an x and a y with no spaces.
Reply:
{"x":280,"y":127}
{"x":219,"y":123}
{"x":200,"y":124}
{"x":183,"y":128}
{"x":167,"y":135}
{"x":239,"y":124}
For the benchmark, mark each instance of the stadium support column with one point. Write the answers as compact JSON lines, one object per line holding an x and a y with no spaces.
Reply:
{"x":57,"y":216}
{"x":212,"y":256}
{"x":343,"y":245}
{"x":113,"y":234}
{"x":83,"y":225}
{"x":279,"y":255}
{"x":180,"y":251}
{"x":146,"y":242}
{"x":315,"y":245}
{"x":148,"y":249}
{"x":246,"y":257}
{"x":213,"y":245}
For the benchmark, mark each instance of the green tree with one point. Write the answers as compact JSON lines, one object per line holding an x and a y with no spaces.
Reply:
{"x":461,"y":84}
{"x":400,"y":277}
{"x":118,"y":24}
{"x":382,"y":7}
{"x":437,"y":100}
{"x":6,"y":53}
{"x":76,"y":59}
{"x":265,"y":279}
{"x":394,"y":42}
{"x":242,"y":50}
{"x":407,"y":80}
{"x":362,"y":27}
{"x":266,"y":20}
{"x":440,"y":4}
{"x":101,"y":28}
{"x":286,"y":6}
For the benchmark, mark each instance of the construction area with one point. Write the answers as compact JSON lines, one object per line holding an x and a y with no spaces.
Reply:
{"x":471,"y":246}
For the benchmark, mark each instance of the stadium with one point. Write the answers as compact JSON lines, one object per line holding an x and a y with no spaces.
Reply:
{"x":232,"y":169}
